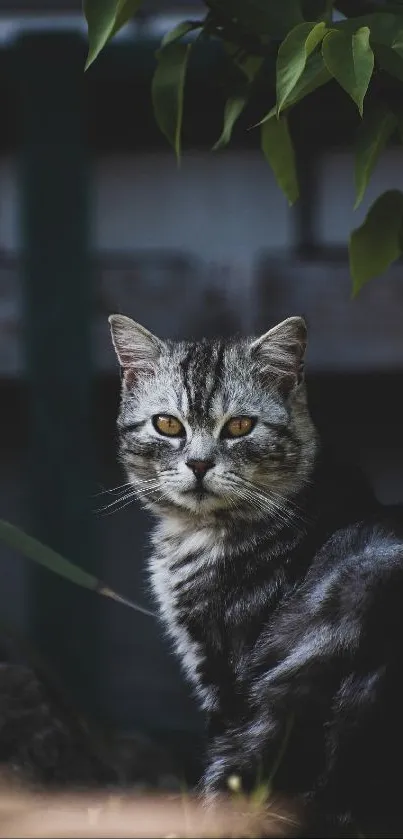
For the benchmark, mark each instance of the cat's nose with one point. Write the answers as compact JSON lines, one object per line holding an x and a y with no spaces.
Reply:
{"x":200,"y":467}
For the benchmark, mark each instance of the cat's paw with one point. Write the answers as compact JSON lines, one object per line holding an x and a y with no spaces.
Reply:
{"x":217,"y":780}
{"x":231,"y":767}
{"x":221,"y":764}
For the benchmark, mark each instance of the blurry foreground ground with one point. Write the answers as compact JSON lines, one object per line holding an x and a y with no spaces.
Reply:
{"x":61,"y":777}
{"x":105,"y":815}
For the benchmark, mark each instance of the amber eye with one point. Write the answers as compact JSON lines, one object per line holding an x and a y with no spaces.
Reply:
{"x":168,"y":426}
{"x":238,"y":427}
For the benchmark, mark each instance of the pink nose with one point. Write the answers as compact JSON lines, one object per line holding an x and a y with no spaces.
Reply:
{"x":200,"y":467}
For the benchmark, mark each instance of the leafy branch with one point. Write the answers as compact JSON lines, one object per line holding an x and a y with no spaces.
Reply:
{"x":293,"y":48}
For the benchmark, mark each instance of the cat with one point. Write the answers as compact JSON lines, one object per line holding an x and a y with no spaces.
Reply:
{"x":277,"y":577}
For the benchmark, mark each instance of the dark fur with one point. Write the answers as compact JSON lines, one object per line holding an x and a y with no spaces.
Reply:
{"x":331,"y":667}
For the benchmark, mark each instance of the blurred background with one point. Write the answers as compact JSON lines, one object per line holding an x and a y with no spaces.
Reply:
{"x":95,"y":217}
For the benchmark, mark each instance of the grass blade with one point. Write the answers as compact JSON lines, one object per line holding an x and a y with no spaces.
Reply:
{"x":31,"y":548}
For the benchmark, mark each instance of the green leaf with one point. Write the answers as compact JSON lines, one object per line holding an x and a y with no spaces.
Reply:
{"x":269,"y":115}
{"x":315,"y":75}
{"x":292,"y":57}
{"x":53,"y":561}
{"x":278,"y":150}
{"x":374,"y":132}
{"x":179,"y":31}
{"x":350,"y":61}
{"x":233,"y":109}
{"x":104,"y":19}
{"x":167,"y":90}
{"x":377,"y":243}
{"x":125,"y":10}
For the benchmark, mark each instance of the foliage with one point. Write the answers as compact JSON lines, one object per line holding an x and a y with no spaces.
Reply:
{"x":310,"y":47}
{"x":292,"y":47}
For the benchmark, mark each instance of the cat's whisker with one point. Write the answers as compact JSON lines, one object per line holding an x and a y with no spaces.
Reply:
{"x":269,"y":506}
{"x":127,"y":499}
{"x":110,"y":490}
{"x":123,"y":486}
{"x":135,"y":493}
{"x":283,"y":505}
{"x":292,"y":508}
{"x":267,"y":503}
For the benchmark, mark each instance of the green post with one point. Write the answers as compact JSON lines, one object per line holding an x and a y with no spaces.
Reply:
{"x":57,"y":320}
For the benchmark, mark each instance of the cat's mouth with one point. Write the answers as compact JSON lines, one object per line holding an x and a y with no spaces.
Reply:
{"x":199,"y":499}
{"x":200,"y":492}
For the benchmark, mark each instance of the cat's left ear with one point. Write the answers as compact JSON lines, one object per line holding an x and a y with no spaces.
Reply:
{"x":137,"y":349}
{"x":279,"y":353}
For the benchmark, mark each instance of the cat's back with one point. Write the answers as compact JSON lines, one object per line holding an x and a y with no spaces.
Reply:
{"x":348,"y":608}
{"x":332,"y":660}
{"x":362,"y":602}
{"x":359,"y":569}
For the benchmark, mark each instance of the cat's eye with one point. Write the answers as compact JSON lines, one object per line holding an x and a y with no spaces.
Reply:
{"x":238,"y":427}
{"x":168,"y":426}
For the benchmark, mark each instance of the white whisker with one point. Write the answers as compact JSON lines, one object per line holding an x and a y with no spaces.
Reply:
{"x":135,"y":493}
{"x":112,"y":489}
{"x":127,"y":503}
{"x":268,"y":501}
{"x":124,"y":486}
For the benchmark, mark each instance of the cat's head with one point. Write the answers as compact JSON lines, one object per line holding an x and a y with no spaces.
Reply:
{"x":214,"y":427}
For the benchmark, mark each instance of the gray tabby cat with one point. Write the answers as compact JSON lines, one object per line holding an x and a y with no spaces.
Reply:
{"x":271,"y":607}
{"x":196,"y":456}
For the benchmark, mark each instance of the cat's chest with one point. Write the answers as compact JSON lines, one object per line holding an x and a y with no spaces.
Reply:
{"x":185,"y":569}
{"x":185,"y":577}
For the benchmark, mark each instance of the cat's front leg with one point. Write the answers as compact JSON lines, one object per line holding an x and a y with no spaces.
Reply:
{"x":223,"y":764}
{"x":236,"y":759}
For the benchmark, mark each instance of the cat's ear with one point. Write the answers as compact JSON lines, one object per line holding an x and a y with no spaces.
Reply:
{"x":137,"y":349}
{"x":279,"y":353}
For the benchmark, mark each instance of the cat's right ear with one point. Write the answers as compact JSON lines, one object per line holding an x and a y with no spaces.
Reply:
{"x":280,"y":352}
{"x":137,"y":349}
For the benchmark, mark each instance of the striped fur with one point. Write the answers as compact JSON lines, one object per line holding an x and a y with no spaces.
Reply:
{"x":266,"y":586}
